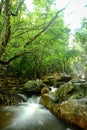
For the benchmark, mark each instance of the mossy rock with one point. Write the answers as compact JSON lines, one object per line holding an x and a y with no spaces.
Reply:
{"x":33,"y":86}
{"x":71,"y":91}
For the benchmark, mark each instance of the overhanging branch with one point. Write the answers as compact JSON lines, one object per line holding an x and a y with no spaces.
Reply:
{"x":16,"y":13}
{"x":45,"y":28}
{"x":31,"y":40}
{"x":20,"y":54}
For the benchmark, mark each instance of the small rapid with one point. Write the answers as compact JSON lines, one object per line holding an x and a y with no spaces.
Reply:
{"x":30,"y":115}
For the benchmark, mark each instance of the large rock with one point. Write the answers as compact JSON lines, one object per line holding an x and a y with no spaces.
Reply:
{"x":56,"y":79}
{"x":33,"y":87}
{"x":71,"y":90}
{"x":73,"y":111}
{"x":69,"y":102}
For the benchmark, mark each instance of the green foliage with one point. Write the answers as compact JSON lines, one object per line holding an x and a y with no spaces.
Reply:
{"x":81,"y":36}
{"x":80,"y":39}
{"x":49,"y":52}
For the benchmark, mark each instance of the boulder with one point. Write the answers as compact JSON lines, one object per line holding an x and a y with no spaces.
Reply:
{"x":33,"y":87}
{"x":71,"y":90}
{"x":68,"y":102}
{"x":56,"y":79}
{"x":45,"y":90}
{"x":73,"y":111}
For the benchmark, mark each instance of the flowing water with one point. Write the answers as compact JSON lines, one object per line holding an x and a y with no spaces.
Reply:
{"x":29,"y":116}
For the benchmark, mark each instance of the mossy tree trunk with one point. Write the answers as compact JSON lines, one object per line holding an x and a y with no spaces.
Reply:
{"x":6,"y":29}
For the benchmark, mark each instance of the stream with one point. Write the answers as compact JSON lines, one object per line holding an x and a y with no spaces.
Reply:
{"x":30,"y":115}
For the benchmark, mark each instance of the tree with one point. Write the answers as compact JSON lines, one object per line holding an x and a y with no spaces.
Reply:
{"x":80,"y":38}
{"x":8,"y":29}
{"x":38,"y":39}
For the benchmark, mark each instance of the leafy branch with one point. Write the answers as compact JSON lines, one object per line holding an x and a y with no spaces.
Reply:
{"x":45,"y":28}
{"x":16,"y":13}
{"x":15,"y":57}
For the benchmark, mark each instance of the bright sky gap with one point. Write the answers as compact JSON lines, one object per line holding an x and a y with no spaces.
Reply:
{"x":75,"y":11}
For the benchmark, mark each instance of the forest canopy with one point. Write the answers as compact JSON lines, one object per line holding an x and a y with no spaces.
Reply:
{"x":37,"y":42}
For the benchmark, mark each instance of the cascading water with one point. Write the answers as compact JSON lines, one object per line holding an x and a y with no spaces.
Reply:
{"x":30,"y":116}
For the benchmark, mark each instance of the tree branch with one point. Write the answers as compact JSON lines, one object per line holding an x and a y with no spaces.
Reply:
{"x":30,"y":41}
{"x":27,"y":30}
{"x":14,"y":57}
{"x":16,"y":13}
{"x":45,"y":28}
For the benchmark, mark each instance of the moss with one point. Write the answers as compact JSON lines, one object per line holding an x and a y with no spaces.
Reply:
{"x":71,"y":91}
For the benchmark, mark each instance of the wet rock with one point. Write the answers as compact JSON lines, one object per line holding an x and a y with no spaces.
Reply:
{"x":45,"y":90}
{"x":33,"y":86}
{"x":51,"y":79}
{"x":71,"y":90}
{"x":73,"y":111}
{"x":56,"y":79}
{"x":69,"y":102}
{"x":47,"y":101}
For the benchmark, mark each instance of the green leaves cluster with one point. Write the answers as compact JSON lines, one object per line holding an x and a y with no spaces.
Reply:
{"x":80,"y":40}
{"x":34,"y":48}
{"x":81,"y":36}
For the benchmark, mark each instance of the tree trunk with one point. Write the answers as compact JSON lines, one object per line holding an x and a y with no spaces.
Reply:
{"x":5,"y":32}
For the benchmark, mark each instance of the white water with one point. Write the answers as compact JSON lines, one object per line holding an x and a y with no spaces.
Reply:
{"x":32,"y":116}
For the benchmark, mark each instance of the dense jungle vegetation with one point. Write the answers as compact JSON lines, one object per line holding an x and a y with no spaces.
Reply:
{"x":36,"y":43}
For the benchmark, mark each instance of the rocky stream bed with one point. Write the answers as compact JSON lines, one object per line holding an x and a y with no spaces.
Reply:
{"x":64,"y":95}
